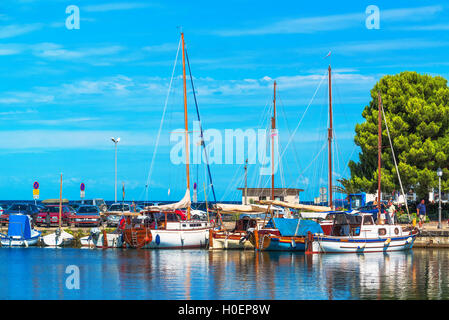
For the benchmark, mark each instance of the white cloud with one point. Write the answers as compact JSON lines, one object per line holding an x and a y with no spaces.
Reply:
{"x":332,"y":22}
{"x":14,"y":30}
{"x":68,"y":139}
{"x":115,"y":6}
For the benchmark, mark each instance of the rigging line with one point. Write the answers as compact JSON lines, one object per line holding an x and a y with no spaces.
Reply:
{"x":289,"y":131}
{"x":163,"y":116}
{"x":349,"y":159}
{"x":300,"y":121}
{"x":201,"y":127}
{"x":394,"y":158}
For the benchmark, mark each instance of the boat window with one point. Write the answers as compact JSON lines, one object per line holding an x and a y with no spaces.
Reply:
{"x":382,"y":232}
{"x":368,"y":220}
{"x":172,"y":217}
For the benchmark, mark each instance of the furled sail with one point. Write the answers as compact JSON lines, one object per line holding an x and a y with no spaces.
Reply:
{"x":225,"y":207}
{"x":183,"y":203}
{"x":295,"y":205}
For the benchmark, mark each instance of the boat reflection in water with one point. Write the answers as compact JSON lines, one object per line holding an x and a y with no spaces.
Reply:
{"x":218,"y":274}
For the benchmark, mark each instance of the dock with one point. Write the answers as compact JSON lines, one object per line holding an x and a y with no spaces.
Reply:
{"x":432,"y":237}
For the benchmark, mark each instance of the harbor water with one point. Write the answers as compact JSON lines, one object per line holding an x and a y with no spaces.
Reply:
{"x":43,"y":273}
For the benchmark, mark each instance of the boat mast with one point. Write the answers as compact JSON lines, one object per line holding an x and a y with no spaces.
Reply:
{"x":330,"y":139}
{"x":186,"y":125}
{"x":379,"y":155}
{"x":273,"y":127}
{"x":60,"y":202}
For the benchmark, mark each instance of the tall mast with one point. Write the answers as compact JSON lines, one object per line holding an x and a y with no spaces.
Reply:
{"x":186,"y":124}
{"x":60,"y":202}
{"x":330,"y":139}
{"x":379,"y":155}
{"x":246,"y":181}
{"x":273,"y":127}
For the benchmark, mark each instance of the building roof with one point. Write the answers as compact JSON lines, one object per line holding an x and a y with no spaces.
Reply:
{"x":267,"y":191}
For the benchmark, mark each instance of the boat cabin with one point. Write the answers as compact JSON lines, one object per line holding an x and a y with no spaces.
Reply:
{"x":360,"y":224}
{"x":169,"y":220}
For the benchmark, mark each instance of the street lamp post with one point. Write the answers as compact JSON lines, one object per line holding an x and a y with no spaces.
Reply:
{"x":439,"y":174}
{"x":115,"y":185}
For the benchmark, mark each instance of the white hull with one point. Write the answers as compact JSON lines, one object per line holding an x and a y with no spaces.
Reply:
{"x":230,"y":244}
{"x":11,"y":242}
{"x":172,"y":239}
{"x":114,"y":241}
{"x":54,"y":240}
{"x":346,"y":245}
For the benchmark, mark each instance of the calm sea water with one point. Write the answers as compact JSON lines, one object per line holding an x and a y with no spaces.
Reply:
{"x":40,"y":273}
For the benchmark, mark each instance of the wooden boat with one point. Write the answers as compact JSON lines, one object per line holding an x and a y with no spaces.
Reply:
{"x":237,"y":238}
{"x":20,"y":233}
{"x":59,"y":237}
{"x":358,"y":232}
{"x":285,"y":234}
{"x":165,"y":230}
{"x":159,"y":227}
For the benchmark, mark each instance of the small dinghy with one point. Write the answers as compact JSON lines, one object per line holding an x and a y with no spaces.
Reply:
{"x":20,"y":233}
{"x":58,"y":238}
{"x":100,"y":239}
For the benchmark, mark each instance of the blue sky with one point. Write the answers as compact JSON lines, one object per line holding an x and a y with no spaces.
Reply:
{"x":64,"y":93}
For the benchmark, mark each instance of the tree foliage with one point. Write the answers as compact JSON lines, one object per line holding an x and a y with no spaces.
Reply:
{"x":417,"y":112}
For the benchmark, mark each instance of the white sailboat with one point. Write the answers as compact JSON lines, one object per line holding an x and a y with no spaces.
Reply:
{"x":160,"y":227}
{"x":59,"y":237}
{"x":358,"y":232}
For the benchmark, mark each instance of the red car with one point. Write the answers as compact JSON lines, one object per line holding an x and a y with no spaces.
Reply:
{"x":49,"y":216}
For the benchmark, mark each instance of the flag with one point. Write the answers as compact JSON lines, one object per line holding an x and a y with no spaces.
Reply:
{"x":195,"y":196}
{"x":328,"y":55}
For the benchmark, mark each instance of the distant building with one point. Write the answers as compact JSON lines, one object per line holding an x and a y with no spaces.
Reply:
{"x":289,"y":195}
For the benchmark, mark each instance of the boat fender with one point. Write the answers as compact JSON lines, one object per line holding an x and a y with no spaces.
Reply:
{"x":409,"y":240}
{"x":293,"y":243}
{"x":387,"y":242}
{"x":362,"y":246}
{"x":158,"y":239}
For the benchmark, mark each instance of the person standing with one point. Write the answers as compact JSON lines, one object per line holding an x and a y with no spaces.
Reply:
{"x":391,"y":212}
{"x":421,"y":211}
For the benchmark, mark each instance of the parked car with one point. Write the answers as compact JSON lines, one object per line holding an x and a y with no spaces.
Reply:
{"x":113,"y":220}
{"x":86,"y":216}
{"x":121,"y":207}
{"x":49,"y":216}
{"x":93,"y":202}
{"x":23,"y":208}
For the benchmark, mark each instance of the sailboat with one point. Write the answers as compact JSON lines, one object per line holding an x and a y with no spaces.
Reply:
{"x":358,"y":232}
{"x":160,"y":227}
{"x":59,"y":237}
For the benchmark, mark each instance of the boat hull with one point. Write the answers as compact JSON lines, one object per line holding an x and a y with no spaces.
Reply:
{"x":345,"y":245}
{"x":277,"y":243}
{"x":54,"y":240}
{"x":178,"y":239}
{"x":114,"y":240}
{"x":229,"y":241}
{"x":11,"y":242}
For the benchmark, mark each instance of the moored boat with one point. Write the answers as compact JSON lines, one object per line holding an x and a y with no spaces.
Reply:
{"x":358,"y":233}
{"x":101,"y":239}
{"x":164,"y":230}
{"x":20,"y":233}
{"x":59,"y":237}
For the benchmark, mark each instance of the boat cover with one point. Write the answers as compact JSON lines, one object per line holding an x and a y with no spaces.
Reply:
{"x":183,"y":203}
{"x":19,"y":225}
{"x":290,"y":227}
